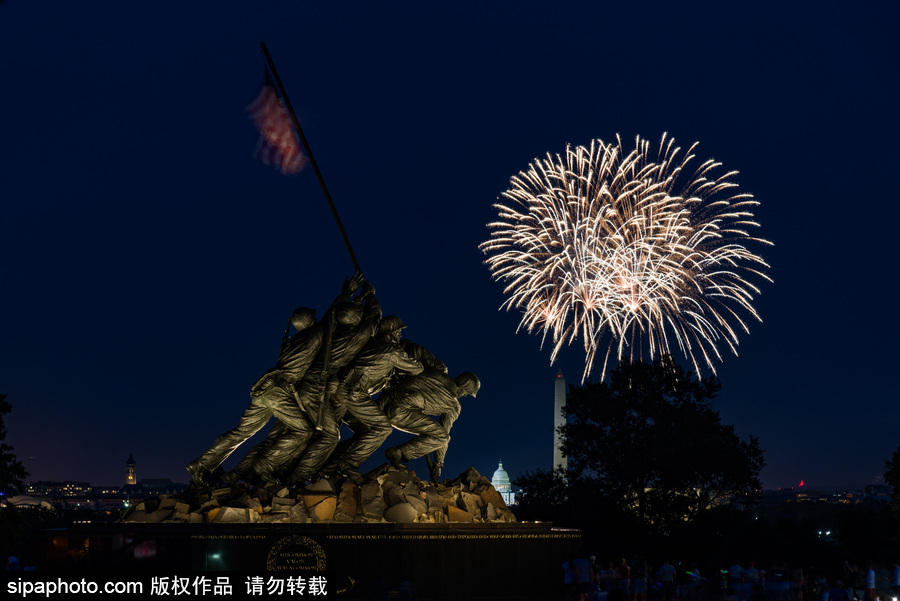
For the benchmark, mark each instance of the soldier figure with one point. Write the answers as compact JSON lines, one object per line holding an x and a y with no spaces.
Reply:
{"x":381,"y":359}
{"x":355,"y":325}
{"x":271,"y":396}
{"x":408,"y":406}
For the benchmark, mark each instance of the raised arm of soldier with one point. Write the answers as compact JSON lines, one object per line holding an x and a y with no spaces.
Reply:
{"x":351,"y":285}
{"x":362,"y":320}
{"x":372,"y":312}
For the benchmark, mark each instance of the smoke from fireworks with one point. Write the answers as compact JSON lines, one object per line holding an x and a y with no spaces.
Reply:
{"x":637,"y":250}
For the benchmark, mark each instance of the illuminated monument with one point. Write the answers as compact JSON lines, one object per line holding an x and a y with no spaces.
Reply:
{"x":297,"y":504}
{"x":270,"y":513}
{"x":559,"y":460}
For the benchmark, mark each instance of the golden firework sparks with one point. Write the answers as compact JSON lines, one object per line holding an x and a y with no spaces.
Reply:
{"x":633,"y":252}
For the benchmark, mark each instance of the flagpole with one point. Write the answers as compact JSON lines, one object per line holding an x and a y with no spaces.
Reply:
{"x":309,"y":154}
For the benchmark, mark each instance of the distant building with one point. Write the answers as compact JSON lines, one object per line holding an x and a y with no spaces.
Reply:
{"x":559,"y":401}
{"x":106,"y":499}
{"x":65,"y":493}
{"x":24,"y":501}
{"x":134,"y":490}
{"x":104,"y":503}
{"x":58,"y":490}
{"x":501,"y":484}
{"x":879,"y":492}
{"x":130,"y":471}
{"x":873,"y":492}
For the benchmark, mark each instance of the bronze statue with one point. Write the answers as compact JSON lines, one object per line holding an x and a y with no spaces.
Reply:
{"x":328,"y":373}
{"x":299,"y":454}
{"x":410,"y":402}
{"x":271,"y":396}
{"x":274,"y":394}
{"x":369,"y":373}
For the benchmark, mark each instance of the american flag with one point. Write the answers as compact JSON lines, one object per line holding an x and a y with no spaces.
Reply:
{"x":278,"y":143}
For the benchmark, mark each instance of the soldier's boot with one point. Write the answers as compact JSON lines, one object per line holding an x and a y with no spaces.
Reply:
{"x":195,"y":469}
{"x":229,"y":478}
{"x":435,"y":471}
{"x":395,"y":456}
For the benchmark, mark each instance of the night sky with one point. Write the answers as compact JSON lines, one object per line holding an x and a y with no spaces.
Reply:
{"x":148,"y":262}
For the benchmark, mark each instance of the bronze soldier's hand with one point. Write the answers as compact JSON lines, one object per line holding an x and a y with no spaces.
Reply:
{"x":357,"y":280}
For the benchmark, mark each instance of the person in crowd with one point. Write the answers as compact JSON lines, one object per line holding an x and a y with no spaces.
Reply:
{"x":595,"y":579}
{"x":752,"y":575}
{"x":666,"y":575}
{"x":569,"y":577}
{"x":895,"y":580}
{"x":608,"y":577}
{"x":639,"y":570}
{"x":798,"y":584}
{"x":623,"y":576}
{"x":838,"y":592}
{"x":778,"y":581}
{"x":870,"y":581}
{"x":695,"y":582}
{"x":736,"y":579}
{"x":584,"y":573}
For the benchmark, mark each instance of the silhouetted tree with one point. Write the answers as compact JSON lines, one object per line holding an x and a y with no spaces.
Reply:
{"x":12,"y":472}
{"x":545,"y":498}
{"x":892,"y":477}
{"x":646,"y":447}
{"x":13,"y":528}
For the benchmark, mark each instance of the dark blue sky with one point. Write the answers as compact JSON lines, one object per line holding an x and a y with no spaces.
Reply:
{"x":148,"y":262}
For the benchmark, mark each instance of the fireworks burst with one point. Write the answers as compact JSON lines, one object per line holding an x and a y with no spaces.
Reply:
{"x":635,"y":249}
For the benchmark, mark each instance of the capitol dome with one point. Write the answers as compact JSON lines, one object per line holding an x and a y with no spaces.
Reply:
{"x":501,"y":484}
{"x":501,"y":479}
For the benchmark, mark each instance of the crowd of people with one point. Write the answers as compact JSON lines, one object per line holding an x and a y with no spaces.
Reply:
{"x":586,"y":579}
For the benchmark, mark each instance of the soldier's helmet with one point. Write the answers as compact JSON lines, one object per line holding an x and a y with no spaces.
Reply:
{"x":348,"y":314}
{"x":468,"y":382}
{"x":302,"y":318}
{"x":390,"y":324}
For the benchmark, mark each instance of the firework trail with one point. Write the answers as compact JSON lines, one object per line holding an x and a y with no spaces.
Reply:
{"x":636,"y":252}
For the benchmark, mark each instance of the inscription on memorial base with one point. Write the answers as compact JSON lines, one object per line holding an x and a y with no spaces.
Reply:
{"x":296,"y":554}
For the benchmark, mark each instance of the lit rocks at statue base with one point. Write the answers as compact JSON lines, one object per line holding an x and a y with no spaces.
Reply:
{"x":385,"y":495}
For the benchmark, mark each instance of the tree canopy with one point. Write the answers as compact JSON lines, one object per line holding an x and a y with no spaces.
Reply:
{"x":646,"y":447}
{"x":892,"y":477}
{"x":12,"y":472}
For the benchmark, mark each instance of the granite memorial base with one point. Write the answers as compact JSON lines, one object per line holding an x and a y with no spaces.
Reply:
{"x":439,"y":561}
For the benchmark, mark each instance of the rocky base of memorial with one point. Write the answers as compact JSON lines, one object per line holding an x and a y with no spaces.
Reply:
{"x":384,"y":495}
